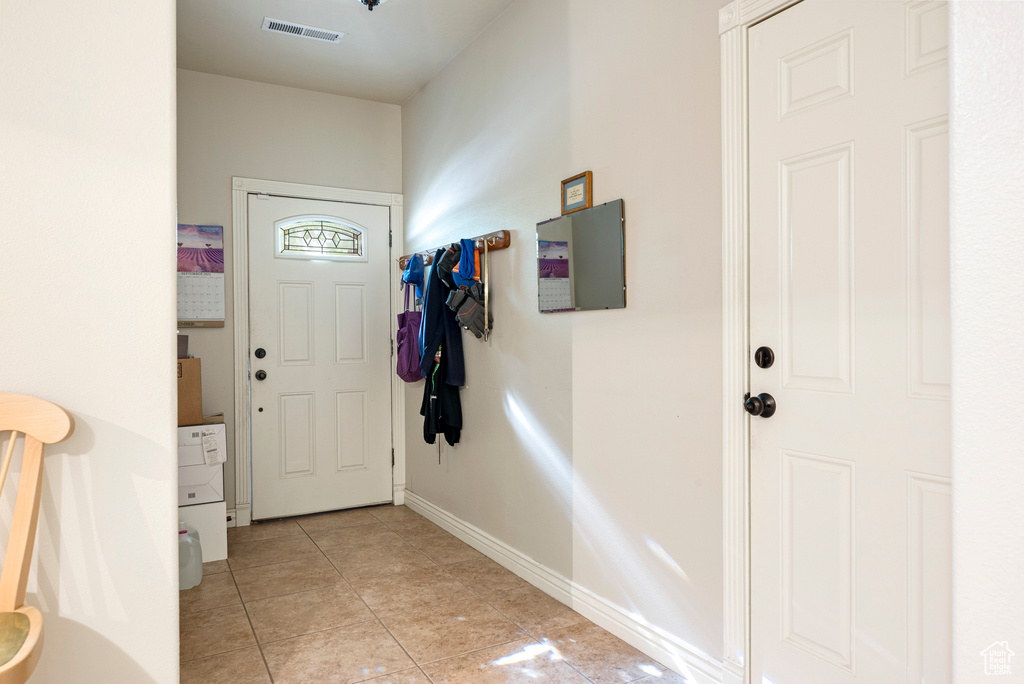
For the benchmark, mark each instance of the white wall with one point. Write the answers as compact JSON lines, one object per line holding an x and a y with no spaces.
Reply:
{"x":987,"y":217}
{"x":592,"y":440}
{"x":87,"y":276}
{"x":230,"y":127}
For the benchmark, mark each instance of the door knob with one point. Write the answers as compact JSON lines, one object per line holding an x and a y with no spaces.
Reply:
{"x":261,"y":375}
{"x":762,"y":405}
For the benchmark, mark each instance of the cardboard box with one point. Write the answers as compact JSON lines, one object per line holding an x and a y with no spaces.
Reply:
{"x":199,"y":483}
{"x":190,"y":392}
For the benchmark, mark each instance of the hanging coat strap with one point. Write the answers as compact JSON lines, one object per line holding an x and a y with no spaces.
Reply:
{"x":487,"y":290}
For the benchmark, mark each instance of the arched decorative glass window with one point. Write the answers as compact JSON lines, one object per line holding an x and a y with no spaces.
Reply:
{"x":319,"y":237}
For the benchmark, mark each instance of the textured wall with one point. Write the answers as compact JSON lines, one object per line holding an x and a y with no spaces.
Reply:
{"x":987,"y":216}
{"x":87,"y":276}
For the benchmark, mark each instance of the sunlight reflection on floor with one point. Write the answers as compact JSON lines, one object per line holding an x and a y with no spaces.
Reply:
{"x":530,"y":652}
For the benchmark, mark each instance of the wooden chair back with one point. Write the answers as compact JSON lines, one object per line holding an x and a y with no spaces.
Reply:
{"x":39,"y":422}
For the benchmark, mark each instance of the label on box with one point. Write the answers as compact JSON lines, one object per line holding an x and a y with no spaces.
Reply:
{"x":211,"y":452}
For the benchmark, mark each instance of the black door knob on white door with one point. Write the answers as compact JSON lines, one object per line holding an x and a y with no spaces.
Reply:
{"x":261,"y":375}
{"x":762,"y":405}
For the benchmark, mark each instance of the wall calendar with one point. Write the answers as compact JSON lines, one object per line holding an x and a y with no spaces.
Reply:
{"x":200,"y":276}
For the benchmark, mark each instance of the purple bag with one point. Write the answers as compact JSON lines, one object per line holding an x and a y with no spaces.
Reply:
{"x":407,"y":342}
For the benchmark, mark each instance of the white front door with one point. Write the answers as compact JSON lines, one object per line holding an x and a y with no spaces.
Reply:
{"x":319,"y":355}
{"x":849,"y":287}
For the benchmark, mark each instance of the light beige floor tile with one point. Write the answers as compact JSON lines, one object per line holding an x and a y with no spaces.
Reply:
{"x":390,"y":513}
{"x":360,"y":536}
{"x":337,"y":656}
{"x":451,"y":629}
{"x":214,"y":591}
{"x":414,"y":527}
{"x":412,"y":676}
{"x":282,"y":617}
{"x":485,"y":577}
{"x":374,"y":561}
{"x":519,"y":662}
{"x":390,"y":594}
{"x":327,"y":521}
{"x":215,"y":567}
{"x":214,"y":631}
{"x":267,"y":530}
{"x":238,"y":667}
{"x":601,"y":656}
{"x":285,"y":578}
{"x":535,"y":611}
{"x":445,"y":549}
{"x":267,"y":551}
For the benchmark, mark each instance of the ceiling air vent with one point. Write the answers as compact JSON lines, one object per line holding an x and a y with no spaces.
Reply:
{"x":301,"y":30}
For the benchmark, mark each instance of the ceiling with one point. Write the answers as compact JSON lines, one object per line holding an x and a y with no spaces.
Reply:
{"x":386,"y":55}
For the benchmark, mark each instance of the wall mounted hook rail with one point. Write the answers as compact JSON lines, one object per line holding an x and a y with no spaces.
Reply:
{"x":499,"y":239}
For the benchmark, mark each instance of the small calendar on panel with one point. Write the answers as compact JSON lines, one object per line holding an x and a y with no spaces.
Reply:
{"x":200,"y":276}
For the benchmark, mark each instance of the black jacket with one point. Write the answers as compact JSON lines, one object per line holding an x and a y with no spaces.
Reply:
{"x":439,"y":329}
{"x":441,"y":408}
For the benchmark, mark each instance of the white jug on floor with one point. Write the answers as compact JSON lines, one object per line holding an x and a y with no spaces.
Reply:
{"x":190,"y":557}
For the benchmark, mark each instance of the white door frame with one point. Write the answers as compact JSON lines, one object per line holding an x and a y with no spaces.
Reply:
{"x":734,"y":22}
{"x":241,"y":188}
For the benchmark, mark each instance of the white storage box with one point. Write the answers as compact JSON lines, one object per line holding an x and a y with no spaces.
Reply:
{"x":199,"y":483}
{"x":211,"y":522}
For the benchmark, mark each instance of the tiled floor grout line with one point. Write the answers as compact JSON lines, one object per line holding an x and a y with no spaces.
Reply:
{"x":259,"y":642}
{"x":415,"y":663}
{"x":466,"y":653}
{"x":372,"y":611}
{"x":248,"y":617}
{"x":213,"y":655}
{"x":315,"y":631}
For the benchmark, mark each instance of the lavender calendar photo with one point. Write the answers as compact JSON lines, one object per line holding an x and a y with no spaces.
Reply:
{"x":200,"y":249}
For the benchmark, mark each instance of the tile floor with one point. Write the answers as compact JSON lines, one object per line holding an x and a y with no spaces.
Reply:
{"x":383,"y":595}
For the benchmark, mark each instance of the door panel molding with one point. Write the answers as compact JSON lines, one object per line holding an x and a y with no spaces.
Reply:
{"x":734,"y":22}
{"x":817,"y":356}
{"x":819,"y":556}
{"x":241,"y":188}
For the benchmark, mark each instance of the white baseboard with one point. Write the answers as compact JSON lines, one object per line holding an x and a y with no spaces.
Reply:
{"x":668,"y":649}
{"x":231,"y":517}
{"x":242,"y":516}
{"x":732,"y":674}
{"x":398,"y":495}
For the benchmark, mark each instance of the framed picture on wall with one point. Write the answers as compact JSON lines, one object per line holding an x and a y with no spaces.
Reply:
{"x":577,"y":193}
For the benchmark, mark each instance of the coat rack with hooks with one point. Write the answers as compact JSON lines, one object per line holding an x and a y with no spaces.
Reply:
{"x":500,"y":239}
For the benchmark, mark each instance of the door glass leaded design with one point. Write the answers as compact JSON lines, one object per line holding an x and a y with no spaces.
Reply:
{"x":319,"y":237}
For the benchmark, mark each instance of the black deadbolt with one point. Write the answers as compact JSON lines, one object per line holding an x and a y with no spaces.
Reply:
{"x":762,"y":405}
{"x":764,"y":357}
{"x":261,"y":375}
{"x":261,"y":409}
{"x":260,"y":353}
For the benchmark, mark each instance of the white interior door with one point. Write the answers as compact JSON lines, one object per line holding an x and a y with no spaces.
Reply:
{"x":319,"y":309}
{"x":849,"y":286}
